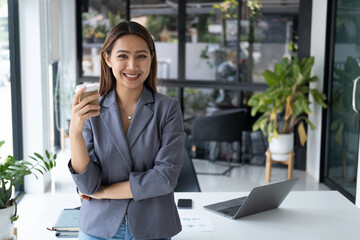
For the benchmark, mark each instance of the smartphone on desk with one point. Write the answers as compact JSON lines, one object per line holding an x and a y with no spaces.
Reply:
{"x":184,"y":203}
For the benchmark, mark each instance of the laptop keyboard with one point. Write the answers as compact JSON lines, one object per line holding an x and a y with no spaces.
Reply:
{"x":230,"y":211}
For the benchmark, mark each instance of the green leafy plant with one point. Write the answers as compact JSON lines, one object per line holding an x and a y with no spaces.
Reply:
{"x":100,"y":31}
{"x":99,"y":35}
{"x":286,"y":102}
{"x":12,"y":172}
{"x":88,"y":31}
{"x":228,"y":11}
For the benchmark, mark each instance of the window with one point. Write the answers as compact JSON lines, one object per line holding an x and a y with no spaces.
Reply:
{"x":10,"y":90}
{"x":5,"y":85}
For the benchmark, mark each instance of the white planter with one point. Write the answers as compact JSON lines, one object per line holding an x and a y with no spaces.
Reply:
{"x":281,"y":147}
{"x":6,"y":227}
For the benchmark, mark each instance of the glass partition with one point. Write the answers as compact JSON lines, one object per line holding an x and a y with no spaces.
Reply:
{"x":98,"y":17}
{"x":161,"y":20}
{"x":227,"y":42}
{"x":211,"y":40}
{"x":343,"y":135}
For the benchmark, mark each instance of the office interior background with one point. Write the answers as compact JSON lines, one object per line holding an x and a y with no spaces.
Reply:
{"x":210,"y":56}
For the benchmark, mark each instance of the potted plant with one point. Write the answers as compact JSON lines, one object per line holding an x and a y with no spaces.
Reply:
{"x":285,"y":103}
{"x":88,"y":33}
{"x":100,"y":33}
{"x":11,"y":172}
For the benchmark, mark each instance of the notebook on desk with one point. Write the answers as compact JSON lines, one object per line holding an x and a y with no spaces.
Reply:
{"x":66,"y":225}
{"x":260,"y":199}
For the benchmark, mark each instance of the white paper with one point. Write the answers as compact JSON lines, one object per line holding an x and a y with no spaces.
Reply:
{"x":196,"y":224}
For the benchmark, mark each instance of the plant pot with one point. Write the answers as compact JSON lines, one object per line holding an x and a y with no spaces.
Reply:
{"x":99,"y":40}
{"x":89,"y":39}
{"x":6,"y":226}
{"x":281,"y":147}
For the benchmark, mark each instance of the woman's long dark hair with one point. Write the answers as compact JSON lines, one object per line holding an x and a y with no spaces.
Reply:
{"x":107,"y":78}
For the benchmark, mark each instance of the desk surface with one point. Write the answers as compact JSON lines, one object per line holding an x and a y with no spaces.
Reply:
{"x":303,"y":215}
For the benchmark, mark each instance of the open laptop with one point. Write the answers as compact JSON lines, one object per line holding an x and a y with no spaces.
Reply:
{"x":260,"y":199}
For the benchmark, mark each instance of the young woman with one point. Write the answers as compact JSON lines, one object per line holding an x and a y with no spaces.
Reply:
{"x":127,"y":153}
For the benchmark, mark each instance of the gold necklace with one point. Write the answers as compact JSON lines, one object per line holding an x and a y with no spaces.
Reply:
{"x":129,"y":116}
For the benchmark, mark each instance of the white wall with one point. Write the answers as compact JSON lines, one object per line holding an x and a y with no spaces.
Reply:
{"x":318,"y":38}
{"x":357,"y":197}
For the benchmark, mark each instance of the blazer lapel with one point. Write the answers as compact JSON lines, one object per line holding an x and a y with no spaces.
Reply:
{"x":113,"y":125}
{"x":141,"y":117}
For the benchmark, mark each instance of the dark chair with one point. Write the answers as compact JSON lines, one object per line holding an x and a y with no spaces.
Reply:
{"x":187,"y":181}
{"x":254,"y":147}
{"x":222,"y":126}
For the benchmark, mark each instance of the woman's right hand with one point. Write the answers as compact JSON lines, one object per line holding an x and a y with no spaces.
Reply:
{"x":81,"y":111}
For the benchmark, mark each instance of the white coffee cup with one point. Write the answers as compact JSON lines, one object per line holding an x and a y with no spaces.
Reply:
{"x":91,"y":89}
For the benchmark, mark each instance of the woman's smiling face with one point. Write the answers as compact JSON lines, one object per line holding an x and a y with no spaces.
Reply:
{"x":130,"y":61}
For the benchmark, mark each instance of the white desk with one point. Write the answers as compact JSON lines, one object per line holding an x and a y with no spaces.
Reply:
{"x":303,"y":215}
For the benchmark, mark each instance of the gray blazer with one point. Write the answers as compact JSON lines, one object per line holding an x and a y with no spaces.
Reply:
{"x":150,"y":156}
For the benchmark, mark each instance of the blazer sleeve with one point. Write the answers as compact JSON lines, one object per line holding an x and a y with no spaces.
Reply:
{"x":89,"y":181}
{"x":162,"y":178}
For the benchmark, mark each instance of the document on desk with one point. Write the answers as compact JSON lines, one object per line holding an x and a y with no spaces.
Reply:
{"x":196,"y":224}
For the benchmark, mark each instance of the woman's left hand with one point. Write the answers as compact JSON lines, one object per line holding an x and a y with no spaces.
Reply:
{"x":83,"y":196}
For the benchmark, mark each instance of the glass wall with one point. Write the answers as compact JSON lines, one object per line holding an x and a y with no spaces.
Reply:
{"x":211,"y":41}
{"x":215,"y":58}
{"x":161,"y":20}
{"x":5,"y":85}
{"x":211,"y":54}
{"x":229,"y":43}
{"x":98,"y":17}
{"x":225,"y":41}
{"x":217,"y":47}
{"x":343,"y":136}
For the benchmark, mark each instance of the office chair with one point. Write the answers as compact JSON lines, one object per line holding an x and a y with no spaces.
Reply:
{"x":187,"y":181}
{"x":223,"y":126}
